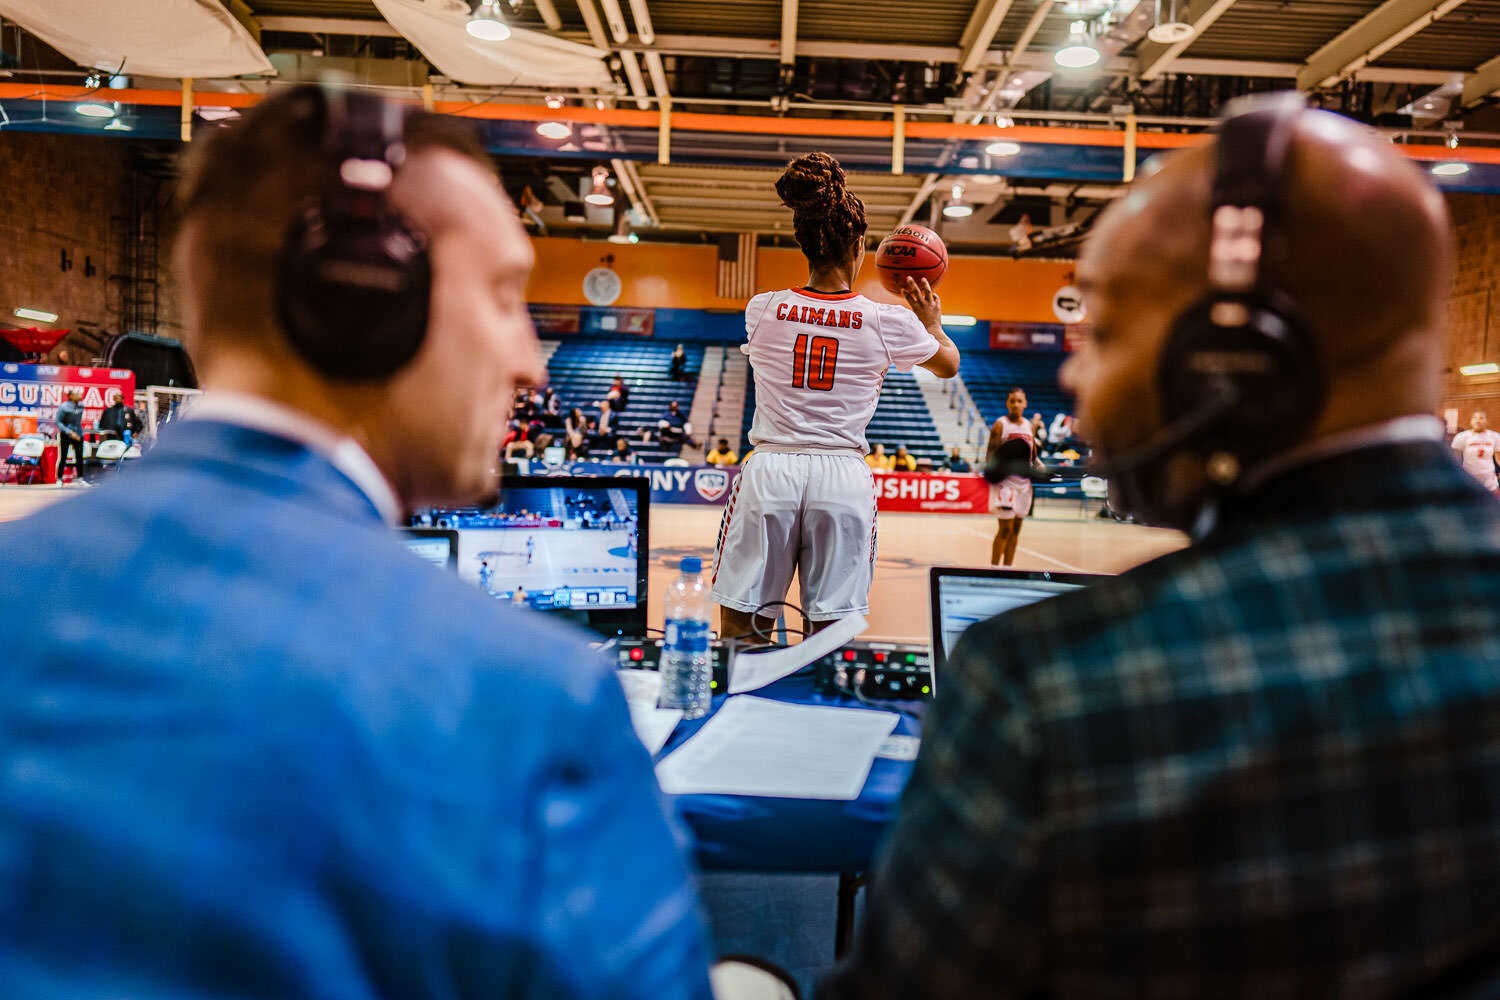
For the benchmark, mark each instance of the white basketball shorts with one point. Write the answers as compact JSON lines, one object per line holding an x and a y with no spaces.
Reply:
{"x":1011,"y":497}
{"x":809,"y":514}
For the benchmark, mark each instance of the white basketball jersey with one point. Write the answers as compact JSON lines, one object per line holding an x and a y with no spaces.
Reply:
{"x":819,"y":362}
{"x":1478,"y":448}
{"x":1010,"y":429}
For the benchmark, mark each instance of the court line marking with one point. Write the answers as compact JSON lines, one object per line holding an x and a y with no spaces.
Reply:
{"x":1033,"y":553}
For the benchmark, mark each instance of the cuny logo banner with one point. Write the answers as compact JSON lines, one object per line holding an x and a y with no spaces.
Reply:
{"x":31,"y":394}
{"x":669,"y":484}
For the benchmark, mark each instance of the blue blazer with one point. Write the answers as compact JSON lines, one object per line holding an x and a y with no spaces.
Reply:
{"x":249,"y":746}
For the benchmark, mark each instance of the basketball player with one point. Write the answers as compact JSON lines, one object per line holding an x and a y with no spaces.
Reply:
{"x":1476,"y":448}
{"x":530,"y":548}
{"x":805,"y":501}
{"x":1010,"y":499}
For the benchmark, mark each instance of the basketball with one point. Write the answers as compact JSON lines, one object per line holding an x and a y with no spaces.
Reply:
{"x":910,"y":250}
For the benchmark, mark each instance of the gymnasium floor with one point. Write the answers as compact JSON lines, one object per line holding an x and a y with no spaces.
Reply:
{"x":1056,"y":538}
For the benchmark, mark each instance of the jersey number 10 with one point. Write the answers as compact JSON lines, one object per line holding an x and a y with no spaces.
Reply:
{"x":823,"y":353}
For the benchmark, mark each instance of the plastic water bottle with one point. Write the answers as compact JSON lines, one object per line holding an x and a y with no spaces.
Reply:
{"x":685,"y":668}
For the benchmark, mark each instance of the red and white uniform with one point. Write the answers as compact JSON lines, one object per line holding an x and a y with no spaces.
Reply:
{"x":1011,"y":496}
{"x":805,"y":500}
{"x":1477,"y":449}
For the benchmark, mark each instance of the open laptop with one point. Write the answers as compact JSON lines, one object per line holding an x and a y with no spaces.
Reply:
{"x":437,"y":546}
{"x":962,"y":597}
{"x":572,"y":547}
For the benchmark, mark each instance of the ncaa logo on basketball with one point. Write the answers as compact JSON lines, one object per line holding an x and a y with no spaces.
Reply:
{"x":711,"y":483}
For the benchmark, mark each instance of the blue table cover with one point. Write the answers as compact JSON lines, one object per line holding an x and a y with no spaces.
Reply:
{"x":762,"y":834}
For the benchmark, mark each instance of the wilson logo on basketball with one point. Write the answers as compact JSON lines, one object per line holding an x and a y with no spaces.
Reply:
{"x":925,"y":235}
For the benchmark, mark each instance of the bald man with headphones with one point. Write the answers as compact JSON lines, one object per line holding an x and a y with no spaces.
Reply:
{"x":1268,"y":764}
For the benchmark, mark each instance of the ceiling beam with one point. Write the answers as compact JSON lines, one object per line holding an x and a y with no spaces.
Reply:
{"x":369,"y":27}
{"x":1369,"y":38}
{"x":594,"y":24}
{"x":643,"y":27}
{"x":550,"y":17}
{"x":1481,"y":83}
{"x":615,"y":17}
{"x":637,"y":82}
{"x":788,"y":32}
{"x":980,"y":33}
{"x":1154,"y":58}
{"x":1032,"y":27}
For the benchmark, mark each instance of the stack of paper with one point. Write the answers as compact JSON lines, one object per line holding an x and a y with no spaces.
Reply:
{"x":754,"y":746}
{"x":653,"y":726}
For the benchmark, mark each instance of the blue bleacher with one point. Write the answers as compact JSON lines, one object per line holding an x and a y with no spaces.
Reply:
{"x":990,"y":375}
{"x":582,"y":368}
{"x":901,"y":417}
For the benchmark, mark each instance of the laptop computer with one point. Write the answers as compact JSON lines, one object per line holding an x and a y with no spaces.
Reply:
{"x":437,"y":546}
{"x":962,"y":597}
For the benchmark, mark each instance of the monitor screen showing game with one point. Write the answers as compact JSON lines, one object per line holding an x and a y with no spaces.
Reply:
{"x":571,"y":546}
{"x":963,"y":597}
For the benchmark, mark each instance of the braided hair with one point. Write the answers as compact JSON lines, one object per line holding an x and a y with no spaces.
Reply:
{"x":828,"y":219}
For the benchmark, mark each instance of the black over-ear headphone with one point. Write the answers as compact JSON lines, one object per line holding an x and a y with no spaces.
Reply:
{"x":1239,"y":376}
{"x":354,"y":279}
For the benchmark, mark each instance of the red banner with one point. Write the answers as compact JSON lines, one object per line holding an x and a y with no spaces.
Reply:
{"x":1031,"y":336}
{"x":30,"y":395}
{"x":932,"y":493}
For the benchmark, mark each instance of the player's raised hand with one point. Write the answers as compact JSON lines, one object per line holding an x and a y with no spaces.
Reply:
{"x":923,"y":301}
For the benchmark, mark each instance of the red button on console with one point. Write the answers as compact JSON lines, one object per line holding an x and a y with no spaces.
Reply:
{"x":636,"y":654}
{"x":879,"y":657}
{"x":848,"y":656}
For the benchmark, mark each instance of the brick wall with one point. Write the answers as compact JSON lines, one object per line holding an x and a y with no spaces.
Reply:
{"x":63,"y":194}
{"x":1474,"y":306}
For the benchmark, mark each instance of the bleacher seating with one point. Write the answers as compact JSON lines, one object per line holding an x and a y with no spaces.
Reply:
{"x":582,"y":368}
{"x":901,"y":417}
{"x":989,"y":375}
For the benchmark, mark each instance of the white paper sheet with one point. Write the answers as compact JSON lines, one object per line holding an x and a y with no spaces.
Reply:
{"x":755,"y":746}
{"x":653,"y":726}
{"x":751,"y":671}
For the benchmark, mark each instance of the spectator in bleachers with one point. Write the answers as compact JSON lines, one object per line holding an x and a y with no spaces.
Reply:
{"x":924,"y":464}
{"x":878,"y":460}
{"x":606,"y":418}
{"x":675,"y":428}
{"x":722,"y":455}
{"x":617,"y":395}
{"x":678,"y":369}
{"x":623,"y":454}
{"x":956,"y":463}
{"x":574,"y":426}
{"x":551,"y":408}
{"x":903,"y":461}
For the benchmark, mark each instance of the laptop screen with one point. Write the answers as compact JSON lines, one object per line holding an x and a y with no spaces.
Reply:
{"x":574,"y":547}
{"x":438,"y":547}
{"x":964,"y":597}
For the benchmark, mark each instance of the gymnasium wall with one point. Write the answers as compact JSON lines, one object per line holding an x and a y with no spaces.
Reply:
{"x":682,"y":278}
{"x":63,"y":194}
{"x":1474,"y":306}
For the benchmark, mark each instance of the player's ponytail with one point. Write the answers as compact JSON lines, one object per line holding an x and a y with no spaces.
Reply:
{"x":826,"y":216}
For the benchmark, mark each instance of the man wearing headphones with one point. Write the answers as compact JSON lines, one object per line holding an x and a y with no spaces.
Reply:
{"x":1268,"y":764}
{"x":249,"y":745}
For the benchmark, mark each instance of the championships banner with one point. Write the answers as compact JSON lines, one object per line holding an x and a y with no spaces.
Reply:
{"x":708,"y":484}
{"x":932,"y":493}
{"x":31,"y":394}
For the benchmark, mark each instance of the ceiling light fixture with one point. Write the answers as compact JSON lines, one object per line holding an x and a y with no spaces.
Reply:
{"x":1170,"y":26}
{"x":1452,"y":141}
{"x":958,"y":320}
{"x":955,"y":207}
{"x":1488,"y":368}
{"x":117,"y":125}
{"x":40,"y":315}
{"x":1003,"y":148}
{"x":1079,"y":51}
{"x":486,"y":24}
{"x":1450,"y":169}
{"x":600,"y":195}
{"x":554,"y":130}
{"x":93,"y":109}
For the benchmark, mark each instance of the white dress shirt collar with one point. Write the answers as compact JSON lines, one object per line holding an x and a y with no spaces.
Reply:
{"x":341,"y":451}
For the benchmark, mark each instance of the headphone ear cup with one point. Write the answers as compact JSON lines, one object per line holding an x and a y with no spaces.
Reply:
{"x":1264,"y":366}
{"x":353,"y":295}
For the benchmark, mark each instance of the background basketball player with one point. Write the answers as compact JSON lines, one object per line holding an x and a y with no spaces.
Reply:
{"x":1476,"y":448}
{"x":805,"y":501}
{"x":1010,"y":499}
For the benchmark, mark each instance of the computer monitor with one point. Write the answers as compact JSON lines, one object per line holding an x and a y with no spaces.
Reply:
{"x":571,"y":546}
{"x":962,"y":597}
{"x":437,"y":546}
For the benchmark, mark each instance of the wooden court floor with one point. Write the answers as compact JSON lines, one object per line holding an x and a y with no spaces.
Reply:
{"x":1056,"y":538}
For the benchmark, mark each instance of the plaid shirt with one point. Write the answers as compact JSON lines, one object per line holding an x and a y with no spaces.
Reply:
{"x":1265,"y":765}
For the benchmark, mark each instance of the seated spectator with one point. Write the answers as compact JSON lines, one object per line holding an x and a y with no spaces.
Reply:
{"x":646,"y":436}
{"x":516,"y":432}
{"x":675,"y":428}
{"x":1268,"y":764}
{"x":677,"y":370}
{"x":606,"y":420}
{"x":618,"y":394}
{"x":878,"y":459}
{"x":903,"y":461}
{"x":722,"y":455}
{"x":956,"y":463}
{"x":622,"y":453}
{"x":924,"y":464}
